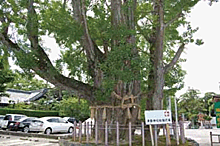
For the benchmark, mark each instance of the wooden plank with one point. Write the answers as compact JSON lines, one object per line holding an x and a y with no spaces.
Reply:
{"x":74,"y":131}
{"x":87,"y":132}
{"x":155,"y":135}
{"x":151,"y":135}
{"x":96,"y":132}
{"x":80,"y":131}
{"x":142,"y":133}
{"x":182,"y":132}
{"x":168,"y":135}
{"x":130,"y":138}
{"x":84,"y":129}
{"x":106,"y":133}
{"x":117,"y":134}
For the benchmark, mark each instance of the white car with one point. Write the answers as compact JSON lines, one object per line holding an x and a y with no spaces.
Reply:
{"x":71,"y":119}
{"x":50,"y":125}
{"x":1,"y":120}
{"x":11,"y":118}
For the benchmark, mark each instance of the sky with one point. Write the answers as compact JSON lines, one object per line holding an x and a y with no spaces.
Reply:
{"x":203,"y":62}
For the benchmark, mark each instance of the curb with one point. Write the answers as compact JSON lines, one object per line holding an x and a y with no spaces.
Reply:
{"x":33,"y":135}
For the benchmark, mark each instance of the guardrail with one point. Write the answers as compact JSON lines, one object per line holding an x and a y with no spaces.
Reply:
{"x":211,"y":138}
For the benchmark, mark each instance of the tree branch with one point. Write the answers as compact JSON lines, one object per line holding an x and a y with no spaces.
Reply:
{"x":46,"y":70}
{"x":41,"y":63}
{"x":174,"y":19}
{"x":175,"y":58}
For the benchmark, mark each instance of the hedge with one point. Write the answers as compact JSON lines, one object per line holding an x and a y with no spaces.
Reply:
{"x":29,"y":113}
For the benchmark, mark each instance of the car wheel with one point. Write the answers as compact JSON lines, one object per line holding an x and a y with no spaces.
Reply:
{"x":26,"y":129}
{"x":48,"y":131}
{"x":70,"y":130}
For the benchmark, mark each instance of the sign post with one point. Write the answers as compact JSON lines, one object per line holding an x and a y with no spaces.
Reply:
{"x":151,"y":135}
{"x":157,"y":117}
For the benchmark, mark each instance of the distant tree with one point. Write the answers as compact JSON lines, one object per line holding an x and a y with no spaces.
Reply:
{"x":208,"y":104}
{"x":191,"y":104}
{"x":74,"y":107}
{"x":27,"y":82}
{"x":6,"y":75}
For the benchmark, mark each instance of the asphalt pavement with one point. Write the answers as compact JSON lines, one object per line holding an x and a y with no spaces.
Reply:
{"x":202,"y":136}
{"x":11,"y":140}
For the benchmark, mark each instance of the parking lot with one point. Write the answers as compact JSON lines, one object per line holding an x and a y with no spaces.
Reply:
{"x":11,"y":140}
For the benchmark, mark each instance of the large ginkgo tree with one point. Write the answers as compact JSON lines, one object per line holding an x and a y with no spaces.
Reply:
{"x":110,"y":48}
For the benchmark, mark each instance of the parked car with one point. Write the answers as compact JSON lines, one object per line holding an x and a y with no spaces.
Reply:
{"x":11,"y":118}
{"x":1,"y":120}
{"x":71,"y":119}
{"x":50,"y":125}
{"x":22,"y":124}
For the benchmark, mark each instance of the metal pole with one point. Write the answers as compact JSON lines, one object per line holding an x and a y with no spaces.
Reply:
{"x":211,"y":138}
{"x":177,"y":133}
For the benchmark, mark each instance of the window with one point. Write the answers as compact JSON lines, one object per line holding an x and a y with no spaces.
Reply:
{"x":8,"y":117}
{"x":16,"y":118}
{"x":54,"y":120}
{"x":62,"y":121}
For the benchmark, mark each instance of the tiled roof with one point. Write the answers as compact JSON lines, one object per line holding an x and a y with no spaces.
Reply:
{"x":23,"y":96}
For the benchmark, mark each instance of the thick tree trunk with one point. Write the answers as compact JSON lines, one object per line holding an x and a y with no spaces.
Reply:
{"x":119,"y":112}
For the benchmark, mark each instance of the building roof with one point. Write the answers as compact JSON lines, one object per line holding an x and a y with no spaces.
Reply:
{"x":23,"y":96}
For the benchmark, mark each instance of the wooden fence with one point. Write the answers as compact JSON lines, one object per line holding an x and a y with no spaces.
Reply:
{"x":89,"y":132}
{"x":212,"y":136}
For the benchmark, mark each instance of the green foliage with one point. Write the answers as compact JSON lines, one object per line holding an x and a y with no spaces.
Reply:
{"x":73,"y":107}
{"x":120,"y":63}
{"x":191,"y":104}
{"x":208,"y":103}
{"x":208,"y":118}
{"x":30,"y":113}
{"x":27,"y":82}
{"x":6,"y":75}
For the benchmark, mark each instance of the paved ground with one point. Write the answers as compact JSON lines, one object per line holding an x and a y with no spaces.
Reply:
{"x":9,"y":140}
{"x":202,"y":136}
